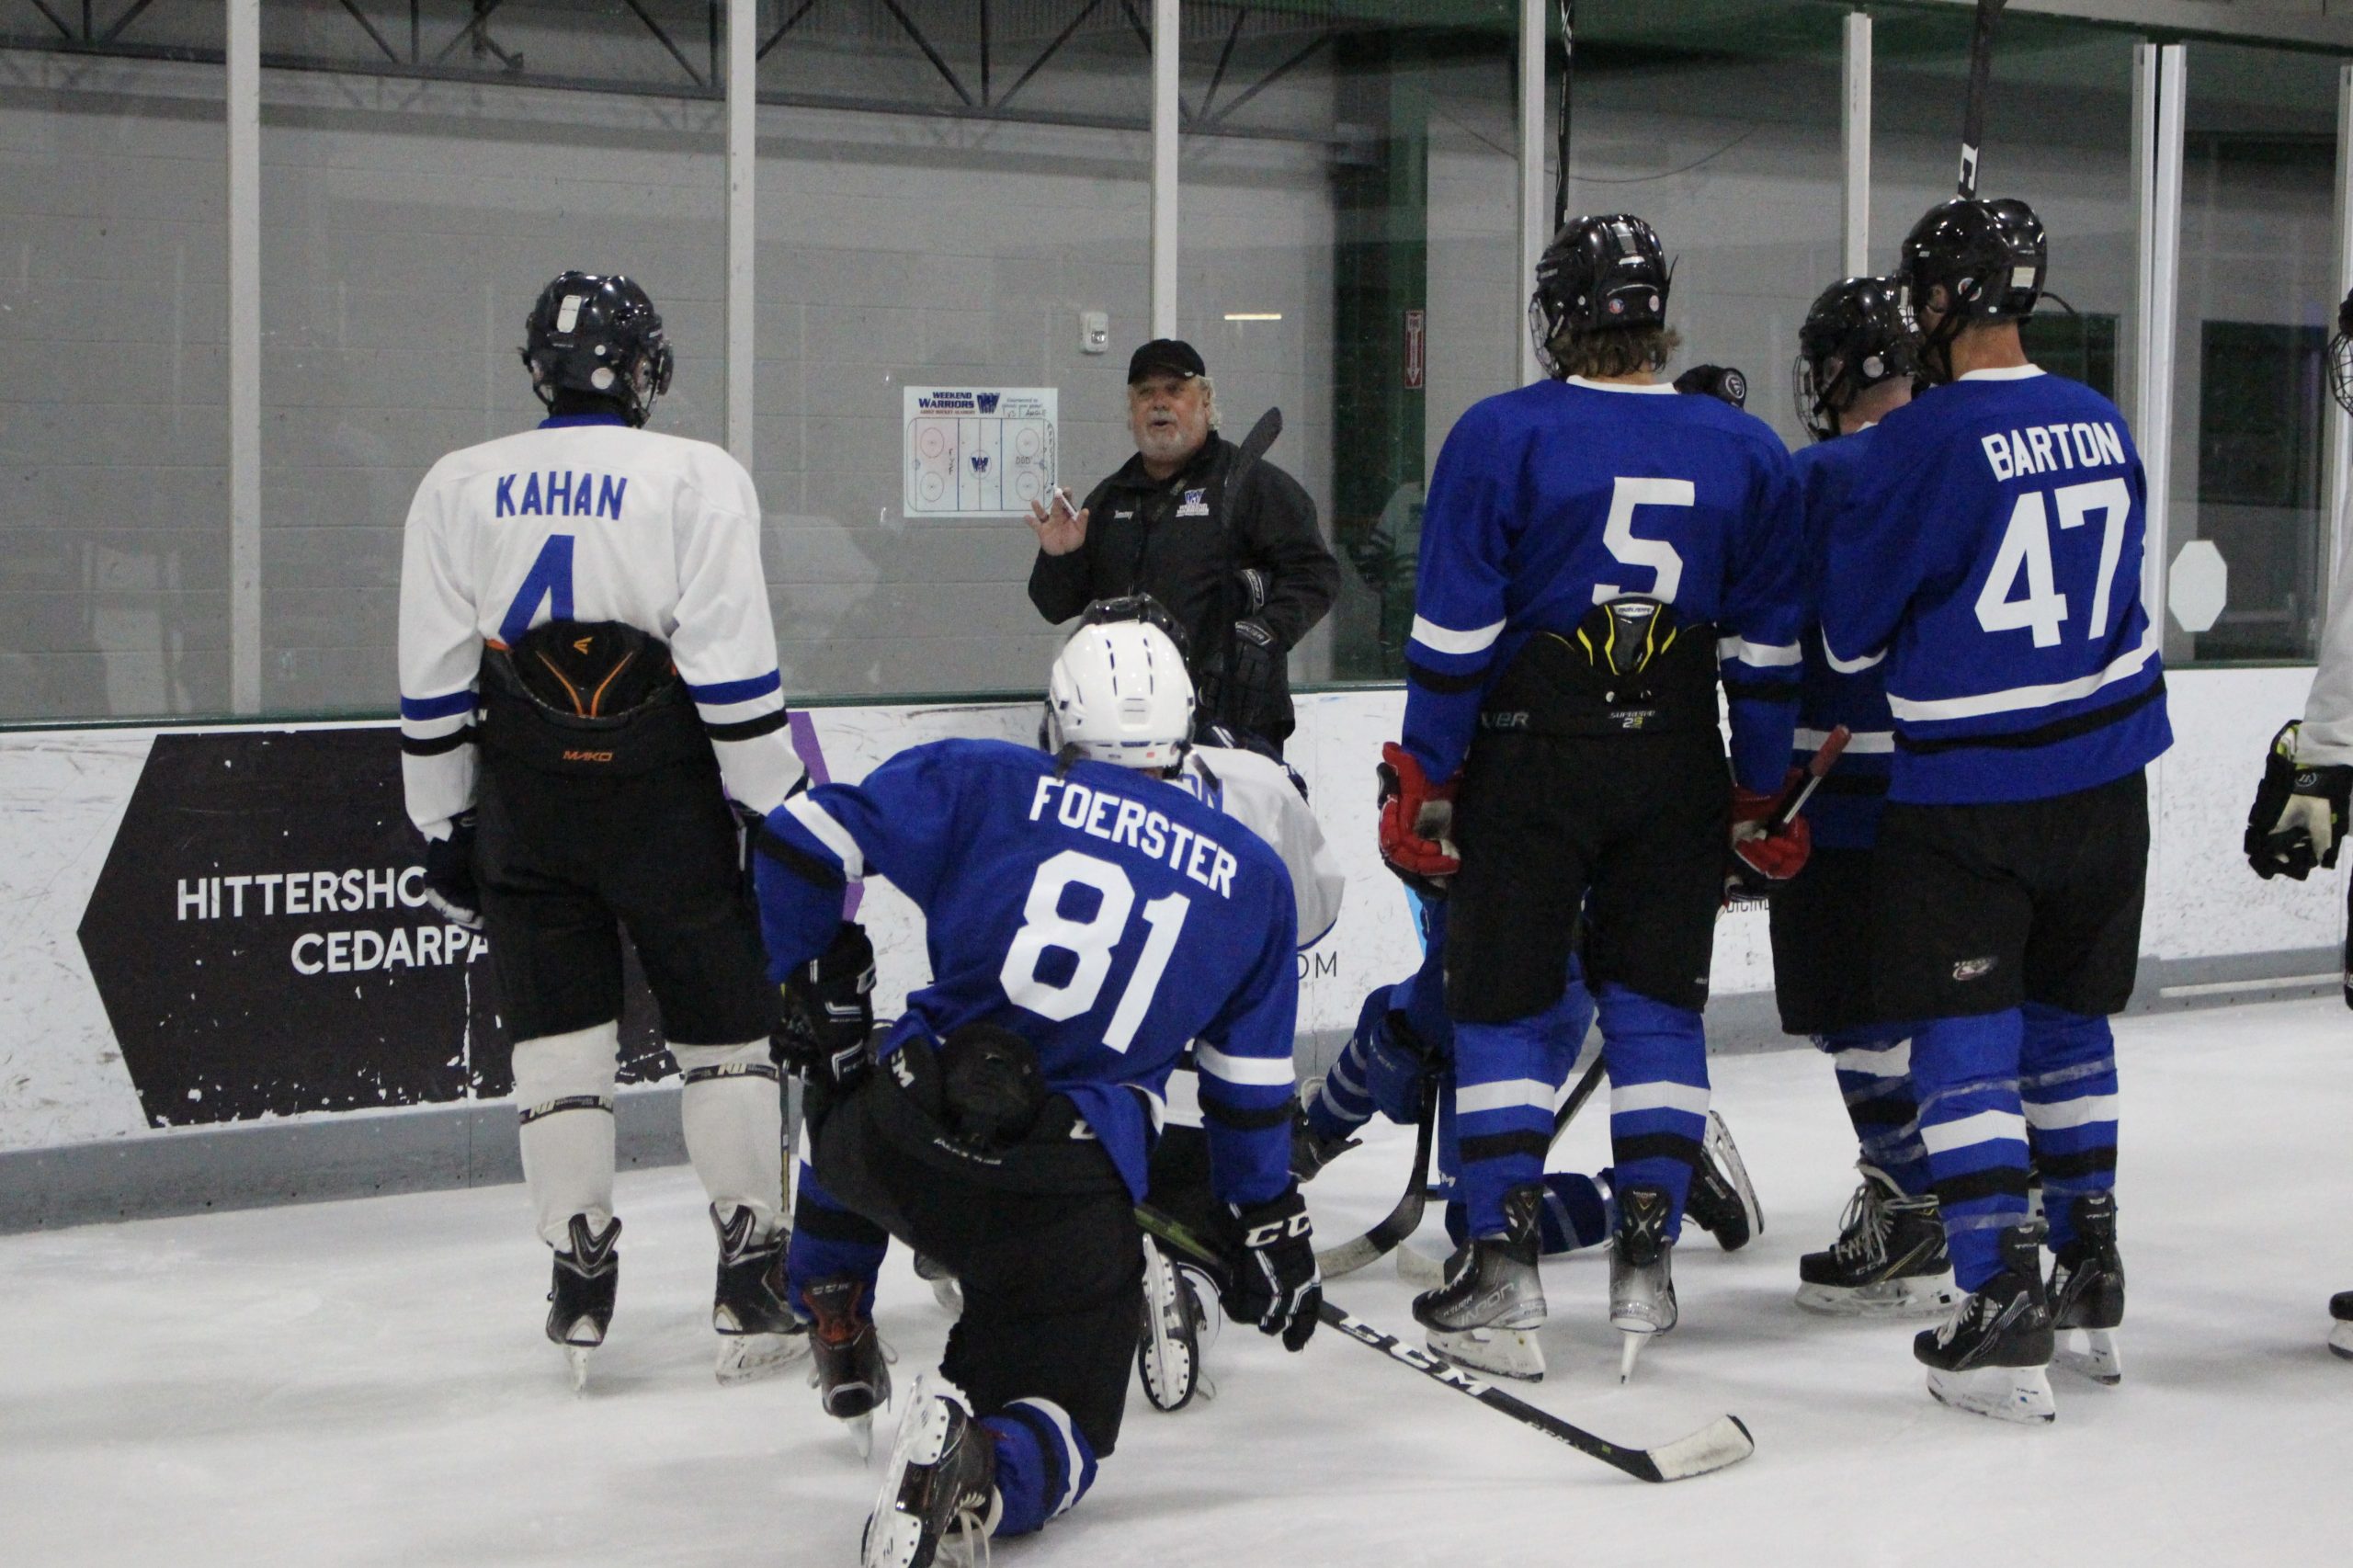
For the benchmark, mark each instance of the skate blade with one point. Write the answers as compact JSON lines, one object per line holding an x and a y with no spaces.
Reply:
{"x":893,"y":1539}
{"x":576,"y":1358}
{"x":1417,"y":1267}
{"x":1726,"y":1153}
{"x":2340,"y":1340}
{"x":1630,"y":1350}
{"x":946,"y":1291}
{"x":1502,"y":1352}
{"x":748,"y":1357}
{"x":2005,"y":1393}
{"x":1919,"y":1296}
{"x":2099,"y":1358}
{"x":859,"y":1430}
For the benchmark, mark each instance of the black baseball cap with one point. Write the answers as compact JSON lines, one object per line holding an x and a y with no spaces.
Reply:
{"x":1166,"y":357}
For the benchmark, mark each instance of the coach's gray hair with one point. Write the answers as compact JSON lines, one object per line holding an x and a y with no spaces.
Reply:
{"x":1209,"y":396}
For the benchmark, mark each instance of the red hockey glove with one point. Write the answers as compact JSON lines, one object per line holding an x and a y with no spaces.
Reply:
{"x":1417,"y":816}
{"x":1764,"y":858}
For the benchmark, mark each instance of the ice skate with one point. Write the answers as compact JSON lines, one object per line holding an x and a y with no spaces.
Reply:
{"x":1723,"y":1202}
{"x":2087,"y":1293}
{"x":941,"y":1478}
{"x":581,"y":1298}
{"x":1169,"y":1347}
{"x":1889,"y":1261}
{"x":2340,"y":1333}
{"x":1990,"y":1357}
{"x":1310,"y":1154}
{"x":944,"y":1287}
{"x":758,"y":1334}
{"x":1486,"y":1315}
{"x":1642,"y":1272}
{"x":852,"y":1371}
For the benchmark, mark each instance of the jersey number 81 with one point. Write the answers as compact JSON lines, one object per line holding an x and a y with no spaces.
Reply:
{"x":1090,"y":941}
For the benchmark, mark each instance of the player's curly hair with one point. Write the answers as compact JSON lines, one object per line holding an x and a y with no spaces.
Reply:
{"x":1614,"y":351}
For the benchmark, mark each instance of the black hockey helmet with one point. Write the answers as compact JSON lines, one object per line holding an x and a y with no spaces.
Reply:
{"x":1858,"y":333}
{"x":599,"y":335}
{"x":2340,"y":356}
{"x":1598,"y":274}
{"x":1988,"y":257}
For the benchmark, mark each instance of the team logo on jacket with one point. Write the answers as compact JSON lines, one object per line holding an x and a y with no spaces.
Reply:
{"x":1195,"y":505}
{"x":1973,"y":968}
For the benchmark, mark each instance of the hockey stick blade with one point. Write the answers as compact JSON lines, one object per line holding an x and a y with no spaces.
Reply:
{"x":1981,"y":71}
{"x":1400,"y":1222}
{"x":1721,"y":1442}
{"x":2348,"y":943}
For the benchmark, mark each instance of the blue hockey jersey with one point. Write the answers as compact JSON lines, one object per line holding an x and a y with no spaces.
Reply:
{"x":1106,"y":916}
{"x":1554,"y":498}
{"x":1990,"y":553}
{"x":1844,"y":811}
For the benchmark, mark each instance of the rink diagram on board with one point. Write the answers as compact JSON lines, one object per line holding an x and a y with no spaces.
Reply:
{"x":365,"y":1382}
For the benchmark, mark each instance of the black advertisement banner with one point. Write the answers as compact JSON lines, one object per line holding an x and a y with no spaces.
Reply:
{"x":260,"y":939}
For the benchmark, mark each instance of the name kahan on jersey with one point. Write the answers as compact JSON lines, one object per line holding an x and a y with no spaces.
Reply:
{"x":565,"y":494}
{"x":1121,"y":821}
{"x":2046,"y":448}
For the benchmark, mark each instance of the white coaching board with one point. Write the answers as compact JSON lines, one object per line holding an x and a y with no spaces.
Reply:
{"x":978,"y":452}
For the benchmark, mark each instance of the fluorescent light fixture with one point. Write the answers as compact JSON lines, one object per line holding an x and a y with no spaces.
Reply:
{"x":1254,"y":315}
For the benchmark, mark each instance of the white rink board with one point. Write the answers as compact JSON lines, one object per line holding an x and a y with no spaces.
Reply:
{"x":365,"y":1383}
{"x":62,"y":794}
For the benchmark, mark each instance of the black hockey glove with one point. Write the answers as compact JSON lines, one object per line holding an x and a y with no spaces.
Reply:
{"x":2298,"y":818}
{"x":450,"y":885}
{"x":829,"y":1012}
{"x":1715,"y":381}
{"x":1272,"y":1280}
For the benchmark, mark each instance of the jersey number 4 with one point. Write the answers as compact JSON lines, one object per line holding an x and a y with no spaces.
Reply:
{"x":2025,"y":553}
{"x":1089,"y":941}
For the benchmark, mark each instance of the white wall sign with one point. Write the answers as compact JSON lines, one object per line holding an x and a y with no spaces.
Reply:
{"x":978,"y":452}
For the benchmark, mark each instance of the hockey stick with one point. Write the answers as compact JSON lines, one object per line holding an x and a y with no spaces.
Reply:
{"x":2348,"y":942}
{"x":1981,"y":71}
{"x":1724,"y":1441}
{"x":1568,"y":85}
{"x":1401,"y":1222}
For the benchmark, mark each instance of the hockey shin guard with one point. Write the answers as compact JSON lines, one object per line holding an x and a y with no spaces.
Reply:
{"x":734,"y":1120}
{"x":1507,"y":1076}
{"x":1965,"y":1072}
{"x":1658,"y":1094}
{"x":563,"y":1092}
{"x":830,"y":1242}
{"x":1875,"y":1076}
{"x":1044,"y":1463}
{"x":2067,"y":1082}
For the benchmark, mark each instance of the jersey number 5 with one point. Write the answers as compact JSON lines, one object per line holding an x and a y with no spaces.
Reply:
{"x":2025,"y":551}
{"x":1090,"y":941}
{"x":1618,"y":536}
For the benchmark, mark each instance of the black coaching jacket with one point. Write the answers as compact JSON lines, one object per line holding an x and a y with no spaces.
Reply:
{"x":1211,"y":560}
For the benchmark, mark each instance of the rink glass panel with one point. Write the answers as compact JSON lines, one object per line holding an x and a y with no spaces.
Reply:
{"x":407,"y":227}
{"x":2258,"y":298}
{"x":114,"y":438}
{"x":955,"y":244}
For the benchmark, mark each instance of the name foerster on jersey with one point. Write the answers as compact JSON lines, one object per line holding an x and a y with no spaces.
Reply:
{"x":1117,"y":820}
{"x":2047,"y":449}
{"x":565,"y":493}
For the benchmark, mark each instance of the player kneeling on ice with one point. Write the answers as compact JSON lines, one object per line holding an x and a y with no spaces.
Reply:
{"x":1086,"y":918}
{"x":588,"y":678}
{"x":1989,"y":552}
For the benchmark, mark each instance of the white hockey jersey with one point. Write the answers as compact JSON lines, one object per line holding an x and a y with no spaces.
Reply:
{"x":1264,"y":795}
{"x":585,"y":518}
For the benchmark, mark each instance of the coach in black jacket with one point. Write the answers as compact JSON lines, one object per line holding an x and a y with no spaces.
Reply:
{"x":1247,"y":575}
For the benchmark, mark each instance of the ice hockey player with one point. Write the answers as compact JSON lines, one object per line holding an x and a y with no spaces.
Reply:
{"x":1989,"y":555}
{"x":588,"y":678}
{"x":2298,"y":819}
{"x":1855,"y":363}
{"x":1087,"y":917}
{"x":1592,"y":554}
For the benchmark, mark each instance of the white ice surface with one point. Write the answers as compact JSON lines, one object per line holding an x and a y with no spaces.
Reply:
{"x":364,"y":1384}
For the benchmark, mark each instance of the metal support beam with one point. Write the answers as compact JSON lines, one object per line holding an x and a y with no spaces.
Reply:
{"x":1855,"y":131}
{"x":2159,"y":82}
{"x":244,"y":356}
{"x":1165,"y":49}
{"x":1534,"y":209}
{"x":2337,"y":482}
{"x":742,"y":71}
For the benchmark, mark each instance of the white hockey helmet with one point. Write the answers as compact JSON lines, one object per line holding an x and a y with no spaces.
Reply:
{"x":1118,"y":693}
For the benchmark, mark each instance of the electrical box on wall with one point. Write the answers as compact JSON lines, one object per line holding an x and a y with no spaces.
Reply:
{"x":1094,"y":331}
